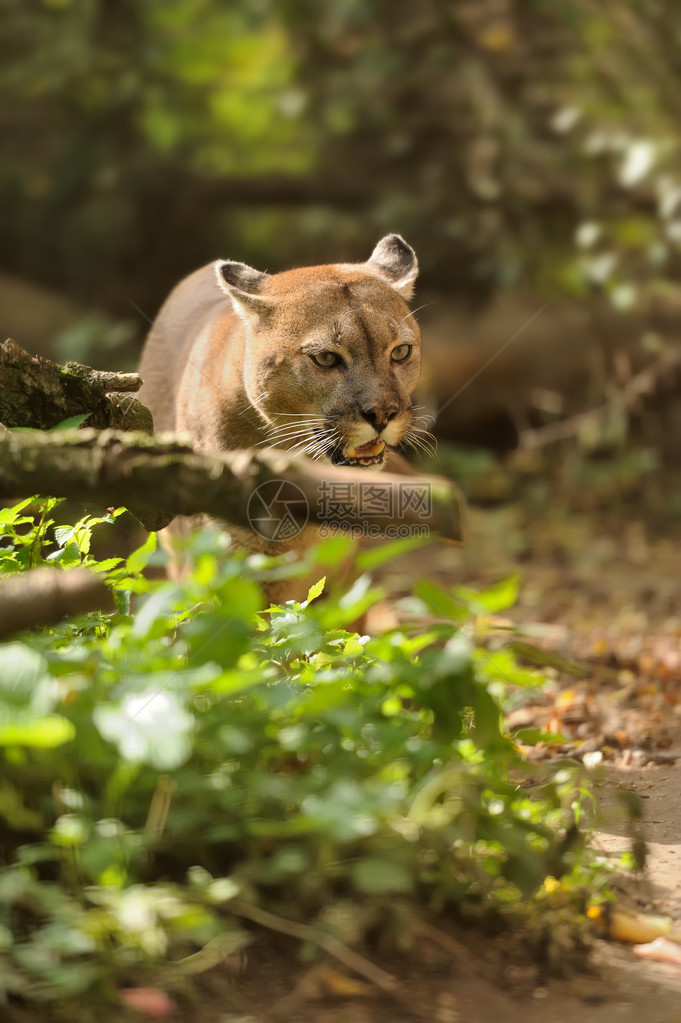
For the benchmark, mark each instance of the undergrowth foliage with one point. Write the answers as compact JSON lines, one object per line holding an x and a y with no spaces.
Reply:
{"x":168,"y":766}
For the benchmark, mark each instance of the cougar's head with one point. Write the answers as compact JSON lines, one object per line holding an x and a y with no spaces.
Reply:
{"x":331,"y":353}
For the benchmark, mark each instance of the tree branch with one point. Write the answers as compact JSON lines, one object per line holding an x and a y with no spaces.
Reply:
{"x":39,"y":393}
{"x":626,"y":399}
{"x":158,"y":478}
{"x":46,"y":595}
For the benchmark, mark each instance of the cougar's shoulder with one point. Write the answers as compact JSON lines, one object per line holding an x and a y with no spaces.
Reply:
{"x":194,"y":317}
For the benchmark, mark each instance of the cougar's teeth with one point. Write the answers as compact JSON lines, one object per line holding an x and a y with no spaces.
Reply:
{"x":368,"y":450}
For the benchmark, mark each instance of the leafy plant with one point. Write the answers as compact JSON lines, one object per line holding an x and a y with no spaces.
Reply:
{"x":170,"y":765}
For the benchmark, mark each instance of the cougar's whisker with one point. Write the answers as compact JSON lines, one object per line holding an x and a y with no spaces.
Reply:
{"x":298,"y":415}
{"x":285,"y":438}
{"x":286,"y":428}
{"x":425,"y":418}
{"x":418,"y":310}
{"x":251,"y":404}
{"x":294,"y":431}
{"x":421,"y":440}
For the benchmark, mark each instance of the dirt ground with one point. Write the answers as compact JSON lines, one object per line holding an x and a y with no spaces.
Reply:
{"x":606,"y":588}
{"x":460,"y":984}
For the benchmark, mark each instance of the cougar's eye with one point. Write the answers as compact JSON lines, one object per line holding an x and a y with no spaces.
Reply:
{"x":326,"y":359}
{"x":401,"y":353}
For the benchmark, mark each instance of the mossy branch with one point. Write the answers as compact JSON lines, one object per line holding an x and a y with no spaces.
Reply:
{"x":36,"y":392}
{"x":158,"y":478}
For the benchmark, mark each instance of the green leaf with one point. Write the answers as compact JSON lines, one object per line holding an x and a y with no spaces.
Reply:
{"x":67,"y":556}
{"x":8,"y":516}
{"x":22,"y":669}
{"x":232,"y":682}
{"x":63,"y":534}
{"x":315,"y":591}
{"x":19,"y":728}
{"x":372,"y":558}
{"x":104,"y":566}
{"x":441,"y":603}
{"x":381,"y":877}
{"x":548,"y":659}
{"x":156,"y":609}
{"x":69,"y":830}
{"x":330,"y":552}
{"x":71,"y":423}
{"x":9,"y":563}
{"x":501,"y":666}
{"x":139,"y":559}
{"x":498,"y":597}
{"x":15,"y":813}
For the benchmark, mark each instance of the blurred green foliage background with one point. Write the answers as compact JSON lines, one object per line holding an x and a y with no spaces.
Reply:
{"x":520,"y":145}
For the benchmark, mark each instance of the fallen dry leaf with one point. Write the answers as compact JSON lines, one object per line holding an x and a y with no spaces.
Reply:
{"x":341,"y":986}
{"x":663,"y":950}
{"x":150,"y":1001}
{"x":635,"y":928}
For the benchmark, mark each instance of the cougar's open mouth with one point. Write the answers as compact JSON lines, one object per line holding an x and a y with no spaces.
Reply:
{"x":370,"y":453}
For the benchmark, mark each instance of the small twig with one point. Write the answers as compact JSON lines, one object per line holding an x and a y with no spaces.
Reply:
{"x":640,"y":384}
{"x":449,"y":944}
{"x":213,"y":953}
{"x":332,"y":945}
{"x":159,"y":807}
{"x":111,"y":381}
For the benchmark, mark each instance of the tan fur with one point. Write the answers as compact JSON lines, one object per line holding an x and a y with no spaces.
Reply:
{"x":229,"y":360}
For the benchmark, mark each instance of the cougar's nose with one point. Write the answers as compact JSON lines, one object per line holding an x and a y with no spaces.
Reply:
{"x":380,"y":417}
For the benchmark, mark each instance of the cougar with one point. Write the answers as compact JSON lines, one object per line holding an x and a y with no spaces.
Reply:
{"x":320,"y":360}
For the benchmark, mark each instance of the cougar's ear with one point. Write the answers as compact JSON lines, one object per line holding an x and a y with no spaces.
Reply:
{"x":244,"y":285}
{"x":397,"y":263}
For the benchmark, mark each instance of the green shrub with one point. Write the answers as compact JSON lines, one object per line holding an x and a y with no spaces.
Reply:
{"x":166,"y":768}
